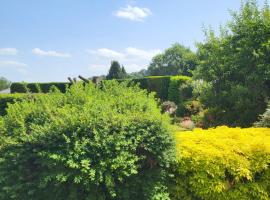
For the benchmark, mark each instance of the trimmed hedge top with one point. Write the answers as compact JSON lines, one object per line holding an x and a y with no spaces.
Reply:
{"x":165,"y":87}
{"x":37,"y":87}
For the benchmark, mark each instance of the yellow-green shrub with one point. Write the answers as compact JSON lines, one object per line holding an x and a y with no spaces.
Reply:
{"x":223,"y":163}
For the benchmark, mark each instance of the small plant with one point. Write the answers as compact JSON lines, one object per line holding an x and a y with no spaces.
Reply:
{"x":264,"y":119}
{"x":187,"y":123}
{"x":169,"y":107}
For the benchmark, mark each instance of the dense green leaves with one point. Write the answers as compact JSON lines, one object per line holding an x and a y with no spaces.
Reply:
{"x":177,"y":60}
{"x":237,"y":67}
{"x":89,"y":143}
{"x":4,"y":83}
{"x":6,"y":99}
{"x":116,"y":71}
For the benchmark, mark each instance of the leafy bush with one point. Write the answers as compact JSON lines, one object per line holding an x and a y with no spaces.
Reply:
{"x":265,"y":119}
{"x":87,"y":143}
{"x":160,"y":85}
{"x":157,"y":84}
{"x":223,"y":163}
{"x":36,"y":87}
{"x":174,"y":93}
{"x":6,"y":99}
{"x":169,"y":107}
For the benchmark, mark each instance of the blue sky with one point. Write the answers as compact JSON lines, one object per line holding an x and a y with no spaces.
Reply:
{"x":50,"y":40}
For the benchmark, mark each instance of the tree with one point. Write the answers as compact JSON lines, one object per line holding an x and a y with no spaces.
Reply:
{"x":177,"y":60}
{"x":4,"y":83}
{"x":140,"y":74}
{"x":116,"y":71}
{"x":237,"y":67}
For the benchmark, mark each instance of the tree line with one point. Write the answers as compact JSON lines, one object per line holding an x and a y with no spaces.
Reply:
{"x":234,"y":65}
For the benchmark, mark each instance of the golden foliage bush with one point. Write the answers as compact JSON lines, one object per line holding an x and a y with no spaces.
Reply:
{"x":223,"y":163}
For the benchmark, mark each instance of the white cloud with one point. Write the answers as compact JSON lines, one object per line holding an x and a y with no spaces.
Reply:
{"x":50,"y":53}
{"x":142,"y":54}
{"x":108,"y":53}
{"x":133,"y":13}
{"x":8,"y":51}
{"x":10,"y":63}
{"x":130,"y":53}
{"x":133,"y":59}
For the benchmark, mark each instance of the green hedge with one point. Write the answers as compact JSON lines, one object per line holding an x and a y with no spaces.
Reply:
{"x":179,"y":89}
{"x":165,"y":87}
{"x":6,"y":99}
{"x":37,"y":87}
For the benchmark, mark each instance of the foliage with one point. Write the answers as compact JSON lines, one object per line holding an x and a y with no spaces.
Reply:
{"x":6,"y":99}
{"x":223,"y":163}
{"x":169,"y":107}
{"x":116,"y":71}
{"x":157,"y":84}
{"x":88,"y":143}
{"x":174,"y":93}
{"x":177,"y":60}
{"x":264,"y":119}
{"x":37,"y":87}
{"x":180,"y":92}
{"x":237,"y":67}
{"x":4,"y":83}
{"x":140,"y":74}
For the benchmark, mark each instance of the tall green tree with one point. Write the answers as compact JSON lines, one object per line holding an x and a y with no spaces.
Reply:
{"x":176,"y":60}
{"x":4,"y":83}
{"x":116,"y":71}
{"x":236,"y":65}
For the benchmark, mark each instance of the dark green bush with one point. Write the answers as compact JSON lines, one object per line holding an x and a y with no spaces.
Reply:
{"x":160,"y":85}
{"x":37,"y":87}
{"x":87,"y":143}
{"x":157,"y":84}
{"x":174,"y":92}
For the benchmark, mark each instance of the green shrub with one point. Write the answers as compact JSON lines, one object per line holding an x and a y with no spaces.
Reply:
{"x":6,"y":99}
{"x":160,"y":85}
{"x":222,"y":164}
{"x":87,"y":143}
{"x":157,"y":84}
{"x":174,"y":92}
{"x":36,"y":87}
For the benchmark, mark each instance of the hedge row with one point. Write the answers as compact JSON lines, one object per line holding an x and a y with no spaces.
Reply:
{"x":166,"y":87}
{"x":223,"y":164}
{"x":37,"y":87}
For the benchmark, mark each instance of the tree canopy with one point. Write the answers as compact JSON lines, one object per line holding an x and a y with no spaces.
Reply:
{"x":176,"y":60}
{"x":4,"y":83}
{"x":236,"y":65}
{"x":116,"y":71}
